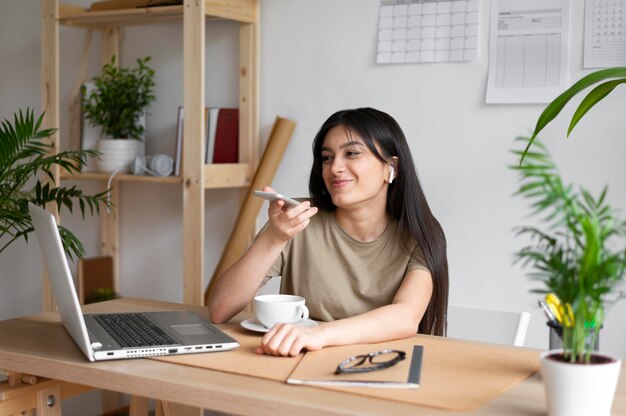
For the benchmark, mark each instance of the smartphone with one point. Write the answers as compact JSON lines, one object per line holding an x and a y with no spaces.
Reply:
{"x":273,"y":196}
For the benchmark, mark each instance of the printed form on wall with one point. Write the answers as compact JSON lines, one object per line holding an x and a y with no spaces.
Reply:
{"x":528,"y":50}
{"x":414,"y":31}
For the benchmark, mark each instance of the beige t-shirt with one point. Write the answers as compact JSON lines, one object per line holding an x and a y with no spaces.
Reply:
{"x":340,"y":276}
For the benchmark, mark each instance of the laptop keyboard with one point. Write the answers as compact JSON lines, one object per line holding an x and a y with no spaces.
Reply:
{"x":133,"y":330}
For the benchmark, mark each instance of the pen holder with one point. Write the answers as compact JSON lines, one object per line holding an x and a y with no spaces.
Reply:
{"x":556,"y":337}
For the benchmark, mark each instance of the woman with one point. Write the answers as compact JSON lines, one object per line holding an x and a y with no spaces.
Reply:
{"x":365,"y":251}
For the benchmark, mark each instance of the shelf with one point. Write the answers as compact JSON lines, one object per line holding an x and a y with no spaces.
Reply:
{"x":227,"y":175}
{"x":222,"y":175}
{"x":196,"y":177}
{"x":243,"y":11}
{"x":121,"y":177}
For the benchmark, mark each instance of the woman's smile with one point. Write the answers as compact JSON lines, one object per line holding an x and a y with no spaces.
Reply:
{"x":341,"y":182}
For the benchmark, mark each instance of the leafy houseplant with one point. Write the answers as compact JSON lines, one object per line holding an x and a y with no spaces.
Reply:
{"x":581,"y":256}
{"x":24,"y":158}
{"x":120,"y":97}
{"x":116,"y":104}
{"x":582,"y":241}
{"x":607,"y":80}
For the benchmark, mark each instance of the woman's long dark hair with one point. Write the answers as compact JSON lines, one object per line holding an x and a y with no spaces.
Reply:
{"x":405,"y":199}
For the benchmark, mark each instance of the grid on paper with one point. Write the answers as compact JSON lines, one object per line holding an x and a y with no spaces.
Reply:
{"x":412,"y":31}
{"x":608,"y":32}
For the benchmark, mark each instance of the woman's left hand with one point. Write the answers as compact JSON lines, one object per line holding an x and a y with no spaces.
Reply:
{"x":289,"y":340}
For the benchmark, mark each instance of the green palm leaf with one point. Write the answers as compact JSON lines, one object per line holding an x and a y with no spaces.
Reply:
{"x":25,"y":160}
{"x":595,"y":96}
{"x":554,"y":108}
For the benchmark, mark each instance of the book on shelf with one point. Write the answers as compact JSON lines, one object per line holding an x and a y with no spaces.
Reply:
{"x":210,"y":138}
{"x":178,"y":154}
{"x":225,"y":142}
{"x":318,"y":368}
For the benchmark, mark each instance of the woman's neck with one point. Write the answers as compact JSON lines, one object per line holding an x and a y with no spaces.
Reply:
{"x":364,"y":224}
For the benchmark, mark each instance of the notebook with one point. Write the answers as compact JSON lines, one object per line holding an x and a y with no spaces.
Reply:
{"x":318,"y":368}
{"x":120,"y":335}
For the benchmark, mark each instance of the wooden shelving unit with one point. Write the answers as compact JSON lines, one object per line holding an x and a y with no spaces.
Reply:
{"x":196,"y":177}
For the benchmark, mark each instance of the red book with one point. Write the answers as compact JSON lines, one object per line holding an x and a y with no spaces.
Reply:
{"x":226,"y":147}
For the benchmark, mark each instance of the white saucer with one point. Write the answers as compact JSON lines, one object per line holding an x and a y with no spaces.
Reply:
{"x":253,"y":325}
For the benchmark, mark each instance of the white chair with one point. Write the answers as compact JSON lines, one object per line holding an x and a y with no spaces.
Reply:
{"x":487,"y":325}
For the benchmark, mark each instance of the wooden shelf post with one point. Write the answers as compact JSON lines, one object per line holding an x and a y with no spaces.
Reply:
{"x":193,"y":152}
{"x":50,"y":103}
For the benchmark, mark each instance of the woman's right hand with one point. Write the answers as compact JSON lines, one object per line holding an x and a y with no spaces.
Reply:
{"x":289,"y":340}
{"x":285,"y":222}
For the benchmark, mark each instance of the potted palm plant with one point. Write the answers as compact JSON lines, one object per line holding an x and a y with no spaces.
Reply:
{"x":581,"y":257}
{"x":579,"y":261}
{"x":591,"y":283}
{"x":119,"y":99}
{"x":24,"y":159}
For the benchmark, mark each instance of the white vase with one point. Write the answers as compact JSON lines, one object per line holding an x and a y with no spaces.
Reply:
{"x":116,"y":154}
{"x":579,"y":389}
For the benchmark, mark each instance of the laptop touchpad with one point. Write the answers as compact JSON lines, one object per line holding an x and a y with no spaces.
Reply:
{"x":186,"y":330}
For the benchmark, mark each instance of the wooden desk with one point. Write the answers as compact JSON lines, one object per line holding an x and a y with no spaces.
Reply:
{"x":40,"y":345}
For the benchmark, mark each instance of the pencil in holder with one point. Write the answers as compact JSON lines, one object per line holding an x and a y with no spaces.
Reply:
{"x":556,"y":337}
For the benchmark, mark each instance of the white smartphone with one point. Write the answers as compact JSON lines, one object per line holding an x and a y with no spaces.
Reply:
{"x":273,"y":196}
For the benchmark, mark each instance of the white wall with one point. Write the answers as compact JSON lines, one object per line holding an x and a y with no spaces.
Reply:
{"x":318,"y":56}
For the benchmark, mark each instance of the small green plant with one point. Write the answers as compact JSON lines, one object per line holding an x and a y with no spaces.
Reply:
{"x":100,"y":295}
{"x":120,"y":97}
{"x":24,"y":159}
{"x":580,"y":256}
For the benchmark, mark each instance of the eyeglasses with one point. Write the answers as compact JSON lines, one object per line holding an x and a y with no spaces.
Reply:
{"x":370,"y":362}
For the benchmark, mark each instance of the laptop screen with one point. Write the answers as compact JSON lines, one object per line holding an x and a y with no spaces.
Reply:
{"x":60,"y":277}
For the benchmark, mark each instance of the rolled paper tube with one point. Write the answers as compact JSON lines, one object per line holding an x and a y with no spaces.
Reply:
{"x":240,"y":236}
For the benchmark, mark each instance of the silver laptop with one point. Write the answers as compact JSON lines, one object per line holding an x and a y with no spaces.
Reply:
{"x":120,"y":335}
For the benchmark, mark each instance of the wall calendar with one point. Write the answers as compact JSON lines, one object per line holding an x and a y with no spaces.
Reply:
{"x":414,"y":31}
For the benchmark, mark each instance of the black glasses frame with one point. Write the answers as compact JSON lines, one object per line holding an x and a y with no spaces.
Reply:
{"x":355,"y":368}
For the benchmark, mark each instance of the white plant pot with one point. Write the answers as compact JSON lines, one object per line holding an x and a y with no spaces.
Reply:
{"x":116,"y":154}
{"x":579,"y":389}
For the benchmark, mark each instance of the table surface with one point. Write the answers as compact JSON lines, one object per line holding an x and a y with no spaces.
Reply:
{"x":40,"y":345}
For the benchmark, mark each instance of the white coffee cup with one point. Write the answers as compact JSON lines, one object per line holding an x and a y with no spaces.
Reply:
{"x":272,"y":309}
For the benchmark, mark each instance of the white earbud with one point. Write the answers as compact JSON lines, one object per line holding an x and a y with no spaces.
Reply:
{"x":392,"y":171}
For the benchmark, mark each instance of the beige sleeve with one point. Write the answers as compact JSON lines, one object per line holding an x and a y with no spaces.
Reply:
{"x":416,"y":262}
{"x":275,"y":270}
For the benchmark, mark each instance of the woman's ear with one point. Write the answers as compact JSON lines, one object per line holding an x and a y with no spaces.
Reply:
{"x":393,"y":167}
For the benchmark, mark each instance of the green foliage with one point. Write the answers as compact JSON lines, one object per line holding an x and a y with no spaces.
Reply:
{"x":596,"y":95}
{"x":580,"y":256}
{"x":24,"y":158}
{"x":120,"y":97}
{"x":100,"y":295}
